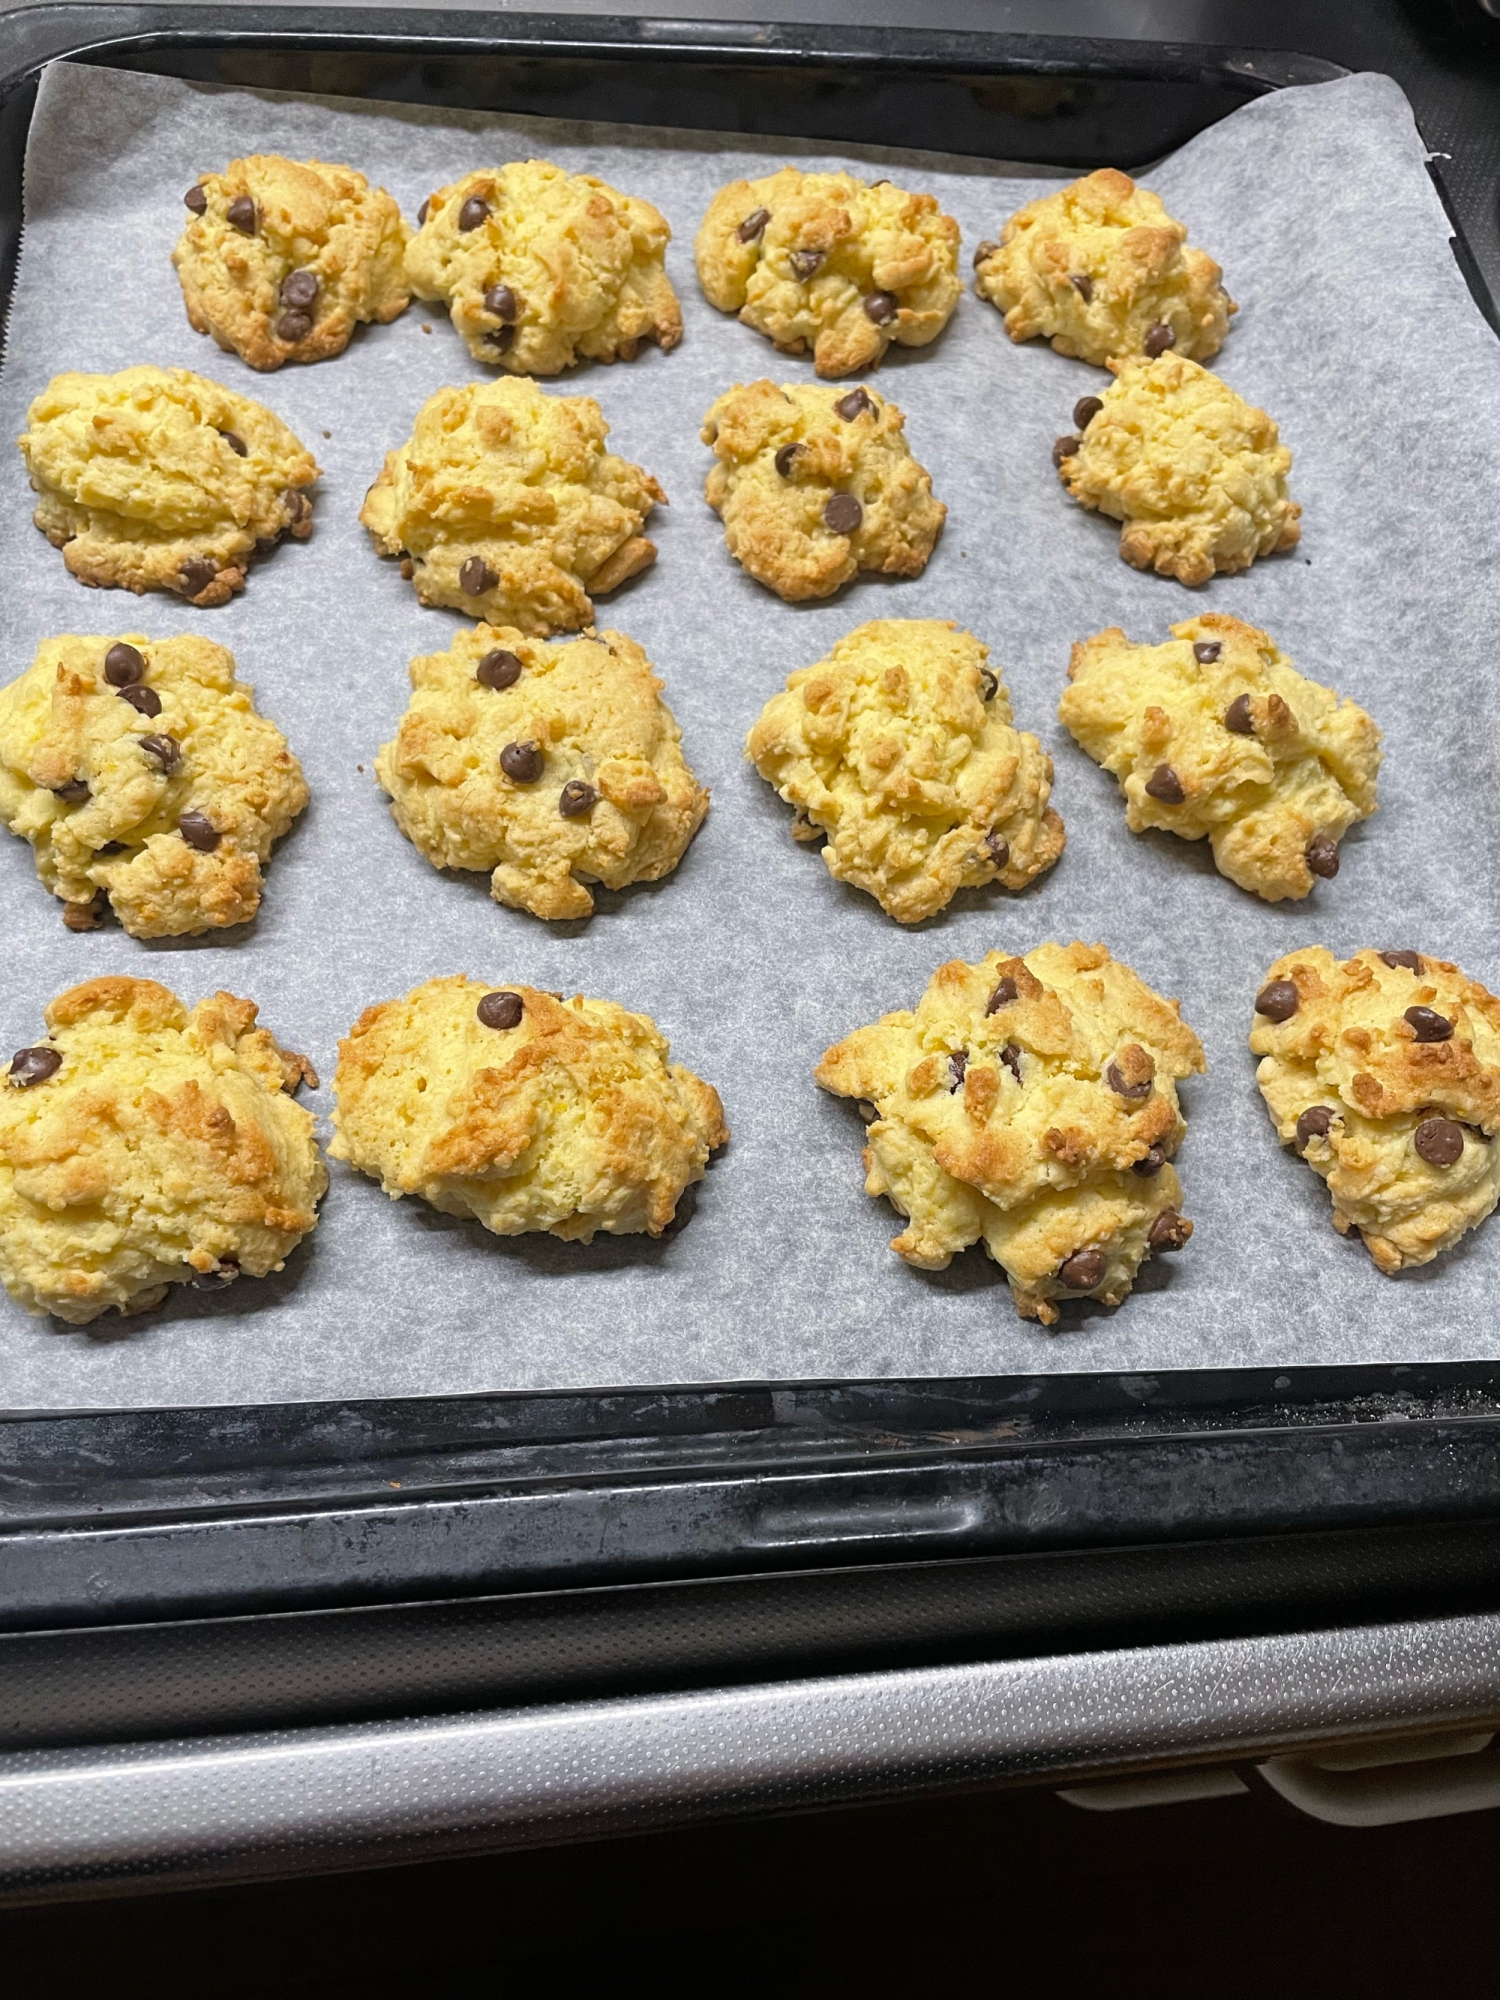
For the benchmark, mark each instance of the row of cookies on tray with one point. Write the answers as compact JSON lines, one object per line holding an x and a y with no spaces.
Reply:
{"x":146,"y":779}
{"x":1028,"y":1102}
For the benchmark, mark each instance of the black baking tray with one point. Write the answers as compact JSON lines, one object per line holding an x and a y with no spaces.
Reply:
{"x":176,"y":1570}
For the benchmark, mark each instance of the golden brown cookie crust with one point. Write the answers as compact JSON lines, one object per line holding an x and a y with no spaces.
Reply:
{"x":312,"y":251}
{"x":899,"y":746}
{"x":559,"y":268}
{"x":1217,"y":735}
{"x":1383,"y":1071}
{"x":830,"y":262}
{"x":509,"y":507}
{"x":564,"y":1116}
{"x":1032,"y":1102}
{"x":789,"y":459}
{"x":152,"y":1145}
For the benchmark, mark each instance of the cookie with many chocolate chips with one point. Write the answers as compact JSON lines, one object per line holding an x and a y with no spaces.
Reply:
{"x":1031,"y":1103}
{"x":522,"y":1110}
{"x":1383,"y":1072}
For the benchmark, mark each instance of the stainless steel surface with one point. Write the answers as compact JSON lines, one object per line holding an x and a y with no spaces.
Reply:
{"x":84,"y":1822}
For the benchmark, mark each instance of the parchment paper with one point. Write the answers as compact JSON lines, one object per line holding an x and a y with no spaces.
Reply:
{"x":1355,"y":331}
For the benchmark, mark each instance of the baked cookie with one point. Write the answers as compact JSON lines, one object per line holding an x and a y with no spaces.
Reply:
{"x":282,"y":259}
{"x":546,"y":767}
{"x":832,"y":263}
{"x":1217,"y":734}
{"x":1031,"y":1102}
{"x":900,"y":748}
{"x":816,"y":486}
{"x":158,"y":479}
{"x":1100,"y":268}
{"x":1383,"y":1072}
{"x":143,"y":1145}
{"x":509,"y":507}
{"x":141,"y":773}
{"x":1194,"y":474}
{"x":523,"y":1110}
{"x":541,"y":269}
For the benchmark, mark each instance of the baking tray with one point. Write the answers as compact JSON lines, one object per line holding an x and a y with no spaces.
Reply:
{"x":114,"y":1525}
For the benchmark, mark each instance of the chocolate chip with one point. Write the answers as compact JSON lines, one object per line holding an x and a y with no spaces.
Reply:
{"x":73,"y":793}
{"x":1206,"y":651}
{"x":296,"y":504}
{"x":983,"y":250}
{"x":215,"y":1281}
{"x":503,"y":303}
{"x":1278,"y":1001}
{"x":882,"y":307}
{"x":1151,"y":1165}
{"x":197,"y":574}
{"x":476,"y":577}
{"x":163,"y":750}
{"x":1412,"y":960}
{"x":235,"y":443}
{"x":1164,"y":784}
{"x":299,"y":288}
{"x":999,"y":849}
{"x":1085,"y":410}
{"x":868,"y":1111}
{"x":753,"y":225}
{"x":853,"y":405}
{"x":806,"y":262}
{"x":988,"y":683}
{"x":1313,"y":1124}
{"x":1428,"y":1025}
{"x":1237,"y":716}
{"x":498,"y":669}
{"x":241,"y":213}
{"x":422,"y":212}
{"x":784,"y":456}
{"x":292,"y":327}
{"x":501,"y":1010}
{"x":196,"y":200}
{"x":1010,"y":1055}
{"x":1083,"y":1270}
{"x":1003,"y":995}
{"x":958,"y":1062}
{"x":87,"y":916}
{"x":29,"y":1066}
{"x":1158,"y":339}
{"x":473,"y":212}
{"x":1322,"y":856}
{"x":1169,"y":1231}
{"x":1440,"y":1141}
{"x":1064,"y":449}
{"x":1083,"y":284}
{"x":1133,"y":1093}
{"x":144,"y":700}
{"x":199,"y":831}
{"x":576,"y":798}
{"x":522,"y":763}
{"x":843,"y":513}
{"x":501,"y":339}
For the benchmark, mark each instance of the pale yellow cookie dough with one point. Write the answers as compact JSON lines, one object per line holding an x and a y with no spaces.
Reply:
{"x":816,"y":486}
{"x":143,"y":1144}
{"x":1216,"y":734}
{"x":522,"y":1110}
{"x":1030,"y":1102}
{"x":1196,"y":476}
{"x":1383,"y":1072}
{"x":140,"y":770}
{"x":1099,"y":269}
{"x":899,"y":746}
{"x":510,"y":509}
{"x":158,"y":479}
{"x":832,"y":263}
{"x":281,"y":259}
{"x":541,"y":269}
{"x":545,"y":767}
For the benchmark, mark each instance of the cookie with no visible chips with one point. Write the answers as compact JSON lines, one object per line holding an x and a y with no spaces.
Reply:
{"x":900,"y":748}
{"x":1217,"y":734}
{"x":522,"y":1110}
{"x":541,"y":268}
{"x":829,"y":262}
{"x":817,"y":486}
{"x":140,"y":770}
{"x":158,"y":479}
{"x":1383,"y":1072}
{"x":509,"y":507}
{"x":1030,"y":1102}
{"x":143,"y":1145}
{"x":281,"y":259}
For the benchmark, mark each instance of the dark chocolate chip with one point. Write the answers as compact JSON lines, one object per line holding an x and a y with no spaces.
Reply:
{"x":476,"y":577}
{"x":1428,"y":1025}
{"x":754,"y":225}
{"x":1278,"y":1001}
{"x":235,"y":443}
{"x":196,"y":200}
{"x":853,"y":405}
{"x":293,"y":326}
{"x":87,"y":916}
{"x":805,"y":262}
{"x":1322,"y":856}
{"x":988,"y":683}
{"x":1003,"y":995}
{"x":1083,"y":284}
{"x":501,"y":1010}
{"x":199,"y":831}
{"x":882,"y":307}
{"x":473,"y":212}
{"x":1158,"y":339}
{"x":498,"y":669}
{"x":1064,"y":449}
{"x":299,"y":289}
{"x":144,"y":700}
{"x":29,"y":1066}
{"x":215,"y":1281}
{"x":1133,"y":1093}
{"x":1083,"y":1270}
{"x":1010,"y":1055}
{"x":784,"y":456}
{"x":163,"y":750}
{"x":843,"y":513}
{"x":868,"y":1111}
{"x":1237,"y":716}
{"x":1412,"y":960}
{"x":1151,"y":1165}
{"x":501,"y":339}
{"x":73,"y":793}
{"x":983,"y":250}
{"x":422,"y":212}
{"x":1206,"y":651}
{"x":115,"y":847}
{"x":241,"y":214}
{"x":522,"y":763}
{"x":296,"y":504}
{"x":576,"y":798}
{"x":198,"y":573}
{"x":503,"y":303}
{"x":1164,"y":784}
{"x":1085,"y":410}
{"x":1169,"y":1231}
{"x":1313,"y":1124}
{"x":1440,"y":1141}
{"x":999,"y":849}
{"x":958,"y":1062}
